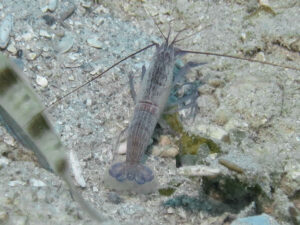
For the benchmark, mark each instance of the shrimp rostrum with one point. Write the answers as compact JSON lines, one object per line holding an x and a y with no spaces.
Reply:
{"x":157,"y":82}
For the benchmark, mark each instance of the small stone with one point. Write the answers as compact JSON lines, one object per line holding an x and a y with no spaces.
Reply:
{"x":52,"y":5}
{"x":31,"y":56}
{"x":73,"y":56}
{"x":219,"y":133}
{"x":260,"y":56}
{"x":182,"y":213}
{"x":88,"y":102}
{"x":295,"y":46}
{"x":37,"y":183}
{"x":5,"y":29}
{"x":12,"y":49}
{"x":44,"y":33}
{"x":71,"y":78}
{"x":170,"y":210}
{"x":243,"y":36}
{"x":164,"y":140}
{"x":86,"y":4}
{"x":214,"y":132}
{"x":101,"y":9}
{"x":9,"y":140}
{"x":50,"y":20}
{"x":44,"y":9}
{"x":235,"y":124}
{"x":65,"y":44}
{"x":27,"y":36}
{"x":122,"y":148}
{"x":264,"y":3}
{"x":4,"y":162}
{"x":96,"y":70}
{"x":198,"y":171}
{"x":41,"y":81}
{"x":94,"y":42}
{"x":206,"y":89}
{"x":14,"y":183}
{"x":95,"y":189}
{"x":165,"y":151}
{"x":76,"y":169}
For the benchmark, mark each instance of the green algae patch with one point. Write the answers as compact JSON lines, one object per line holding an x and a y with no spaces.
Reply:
{"x":188,"y":143}
{"x":166,"y":191}
{"x":231,"y":191}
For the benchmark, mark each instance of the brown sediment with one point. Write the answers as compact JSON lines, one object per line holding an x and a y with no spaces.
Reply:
{"x":231,"y":166}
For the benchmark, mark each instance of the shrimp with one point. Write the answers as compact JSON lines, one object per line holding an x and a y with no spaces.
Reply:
{"x":156,"y":86}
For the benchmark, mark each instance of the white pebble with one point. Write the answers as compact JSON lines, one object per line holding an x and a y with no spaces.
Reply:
{"x":214,"y":132}
{"x":27,"y":36}
{"x":41,"y":81}
{"x":37,"y":183}
{"x":165,"y":151}
{"x":170,"y":210}
{"x":73,"y":56}
{"x":65,"y":44}
{"x":44,"y":9}
{"x":52,"y":5}
{"x":44,"y":33}
{"x":12,"y":49}
{"x":94,"y":42}
{"x":14,"y":183}
{"x":4,"y":162}
{"x":88,"y":102}
{"x":122,"y":148}
{"x":86,"y":4}
{"x":219,"y":134}
{"x":260,"y":56}
{"x":71,"y":78}
{"x":96,"y":70}
{"x":243,"y":36}
{"x":264,"y":3}
{"x":76,"y":168}
{"x":31,"y":56}
{"x":5,"y":29}
{"x":198,"y":171}
{"x":95,"y":189}
{"x":9,"y":140}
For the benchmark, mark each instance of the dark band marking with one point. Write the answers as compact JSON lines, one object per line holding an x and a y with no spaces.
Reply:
{"x":61,"y":166}
{"x":38,"y":125}
{"x":147,"y":106}
{"x":19,"y":134}
{"x":8,"y":78}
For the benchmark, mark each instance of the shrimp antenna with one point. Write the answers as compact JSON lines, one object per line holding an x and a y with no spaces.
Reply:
{"x":177,"y":35}
{"x":188,"y":36}
{"x":240,"y":58}
{"x":155,"y":23}
{"x":99,"y":75}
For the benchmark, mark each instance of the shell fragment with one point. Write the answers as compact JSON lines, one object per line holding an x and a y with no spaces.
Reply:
{"x":5,"y":29}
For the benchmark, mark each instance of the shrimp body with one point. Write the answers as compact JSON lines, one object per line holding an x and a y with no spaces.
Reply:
{"x":151,"y":100}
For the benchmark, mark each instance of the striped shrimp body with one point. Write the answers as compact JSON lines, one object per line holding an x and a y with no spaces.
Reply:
{"x":150,"y":103}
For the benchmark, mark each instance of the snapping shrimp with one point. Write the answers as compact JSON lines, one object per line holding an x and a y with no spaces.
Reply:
{"x":156,"y":86}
